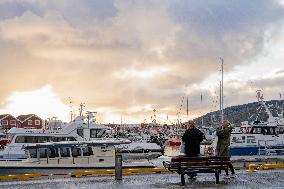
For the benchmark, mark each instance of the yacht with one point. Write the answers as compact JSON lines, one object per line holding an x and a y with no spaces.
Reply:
{"x":67,"y":157}
{"x":82,"y":128}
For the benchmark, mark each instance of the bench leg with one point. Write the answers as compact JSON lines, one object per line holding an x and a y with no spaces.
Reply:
{"x":217,"y":177}
{"x":182,"y":179}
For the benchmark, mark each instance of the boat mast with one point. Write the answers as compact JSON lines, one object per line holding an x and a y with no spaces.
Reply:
{"x":202,"y":121}
{"x":82,"y":105}
{"x":220,"y":99}
{"x":187,"y":107}
{"x":222,"y":91}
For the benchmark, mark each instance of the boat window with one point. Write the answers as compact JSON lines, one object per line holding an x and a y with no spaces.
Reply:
{"x":76,"y":152}
{"x":51,"y":139}
{"x":87,"y":151}
{"x":42,"y":153}
{"x":71,"y":139}
{"x":33,"y":153}
{"x":64,"y":152}
{"x":59,"y":139}
{"x":42,"y":139}
{"x":263,"y":131}
{"x":80,"y":132}
{"x":55,"y":139}
{"x":243,"y":139}
{"x":97,"y":133}
{"x":30,"y":139}
{"x":251,"y":139}
{"x":20,"y":139}
{"x":52,"y":152}
{"x":281,"y":130}
{"x":237,"y":140}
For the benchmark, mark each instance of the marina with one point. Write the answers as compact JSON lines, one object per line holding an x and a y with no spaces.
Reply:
{"x":141,"y":94}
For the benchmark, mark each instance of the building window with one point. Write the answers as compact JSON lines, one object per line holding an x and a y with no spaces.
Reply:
{"x":12,"y":122}
{"x":37,"y":122}
{"x":4,"y":122}
{"x":30,"y":122}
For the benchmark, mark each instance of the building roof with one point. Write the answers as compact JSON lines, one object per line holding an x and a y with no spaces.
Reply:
{"x":3,"y":116}
{"x":24,"y":118}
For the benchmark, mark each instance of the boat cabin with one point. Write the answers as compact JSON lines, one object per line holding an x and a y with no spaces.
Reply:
{"x":264,"y":130}
{"x":70,"y":153}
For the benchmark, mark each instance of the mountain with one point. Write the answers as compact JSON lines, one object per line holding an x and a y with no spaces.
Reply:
{"x":246,"y":112}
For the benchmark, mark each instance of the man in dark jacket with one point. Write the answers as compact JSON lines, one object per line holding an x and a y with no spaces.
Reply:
{"x":192,"y":138}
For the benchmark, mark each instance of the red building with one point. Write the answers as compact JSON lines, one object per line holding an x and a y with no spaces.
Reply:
{"x":8,"y":121}
{"x":31,"y":121}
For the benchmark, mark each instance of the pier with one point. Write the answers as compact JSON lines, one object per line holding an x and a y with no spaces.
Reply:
{"x":244,"y":179}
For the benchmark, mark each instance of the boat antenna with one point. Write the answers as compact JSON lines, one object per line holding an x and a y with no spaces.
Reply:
{"x":71,"y":112}
{"x":82,"y":105}
{"x":154,"y":121}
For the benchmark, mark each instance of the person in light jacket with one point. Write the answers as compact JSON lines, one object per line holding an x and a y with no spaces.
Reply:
{"x":223,"y":143}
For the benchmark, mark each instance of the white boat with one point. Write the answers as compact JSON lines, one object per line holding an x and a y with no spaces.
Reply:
{"x":258,"y":137}
{"x":62,"y":158}
{"x":81,"y":129}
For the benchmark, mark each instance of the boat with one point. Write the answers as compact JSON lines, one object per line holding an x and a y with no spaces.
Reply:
{"x":67,"y":157}
{"x":82,"y":128}
{"x":258,"y":137}
{"x":3,"y":141}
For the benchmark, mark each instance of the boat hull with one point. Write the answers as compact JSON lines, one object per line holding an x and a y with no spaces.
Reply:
{"x":175,"y":143}
{"x":256,"y":150}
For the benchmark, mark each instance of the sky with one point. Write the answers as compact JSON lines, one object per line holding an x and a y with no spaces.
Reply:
{"x":126,"y":58}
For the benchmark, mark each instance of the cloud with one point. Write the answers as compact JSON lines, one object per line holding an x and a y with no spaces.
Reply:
{"x":126,"y":55}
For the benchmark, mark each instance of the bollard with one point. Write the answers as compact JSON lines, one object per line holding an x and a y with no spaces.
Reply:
{"x":118,"y":165}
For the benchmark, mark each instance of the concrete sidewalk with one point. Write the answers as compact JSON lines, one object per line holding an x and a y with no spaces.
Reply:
{"x":244,"y":180}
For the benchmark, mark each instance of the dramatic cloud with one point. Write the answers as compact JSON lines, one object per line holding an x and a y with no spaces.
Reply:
{"x":130,"y":57}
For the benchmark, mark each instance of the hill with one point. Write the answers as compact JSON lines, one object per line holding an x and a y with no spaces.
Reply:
{"x":246,"y":112}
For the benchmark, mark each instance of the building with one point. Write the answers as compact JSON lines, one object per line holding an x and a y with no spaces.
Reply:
{"x":31,"y":121}
{"x":8,"y":121}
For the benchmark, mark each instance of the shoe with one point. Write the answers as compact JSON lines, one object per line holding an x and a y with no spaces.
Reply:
{"x":233,"y":176}
{"x":192,"y":176}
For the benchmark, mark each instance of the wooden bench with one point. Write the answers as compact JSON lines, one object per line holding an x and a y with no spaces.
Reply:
{"x":190,"y":166}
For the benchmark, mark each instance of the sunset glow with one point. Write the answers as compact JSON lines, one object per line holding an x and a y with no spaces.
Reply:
{"x":125,"y":59}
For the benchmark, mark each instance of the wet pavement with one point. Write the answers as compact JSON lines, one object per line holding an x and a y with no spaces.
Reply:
{"x":244,"y":180}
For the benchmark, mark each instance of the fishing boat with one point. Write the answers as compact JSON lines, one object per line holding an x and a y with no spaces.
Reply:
{"x":258,"y":137}
{"x":63,"y":158}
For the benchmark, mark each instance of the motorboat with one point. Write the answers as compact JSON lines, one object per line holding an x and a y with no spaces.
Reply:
{"x":63,"y":158}
{"x":82,"y":128}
